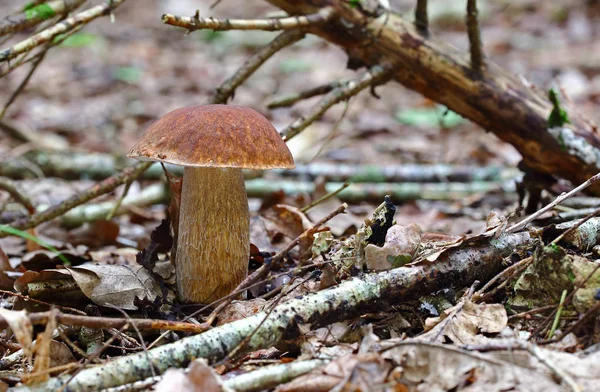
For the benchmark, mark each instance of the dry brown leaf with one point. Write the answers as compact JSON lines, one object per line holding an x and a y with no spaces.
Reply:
{"x":466,"y":326}
{"x":42,"y":354}
{"x":241,"y":309}
{"x":357,"y":372}
{"x":426,"y":367}
{"x":116,"y":285}
{"x":21,"y":326}
{"x":401,"y":244}
{"x":200,"y":378}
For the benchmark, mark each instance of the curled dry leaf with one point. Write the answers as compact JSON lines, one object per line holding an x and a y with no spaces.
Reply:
{"x":116,"y":285}
{"x":22,"y":328}
{"x":466,"y":326}
{"x":401,"y":244}
{"x":200,"y":377}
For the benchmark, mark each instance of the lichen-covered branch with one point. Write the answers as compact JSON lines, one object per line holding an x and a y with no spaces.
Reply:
{"x":226,"y":90}
{"x":35,"y":14}
{"x":59,"y":28}
{"x":272,"y":24}
{"x":371,"y":293}
{"x":374,"y":76}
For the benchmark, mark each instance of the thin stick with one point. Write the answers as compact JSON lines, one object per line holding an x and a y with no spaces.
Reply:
{"x":226,"y":90}
{"x":559,"y":310}
{"x":59,"y":28}
{"x":272,"y":24}
{"x":261,"y":272}
{"x":376,"y":75}
{"x":421,"y":19}
{"x":290,"y":100}
{"x":475,"y":46}
{"x":20,"y":198}
{"x":100,"y":188}
{"x":24,"y":82}
{"x":576,"y":226}
{"x":562,"y":197}
{"x":324,"y":197}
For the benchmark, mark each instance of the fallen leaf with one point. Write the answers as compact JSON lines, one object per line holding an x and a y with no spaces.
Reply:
{"x":401,"y":244}
{"x":21,"y":326}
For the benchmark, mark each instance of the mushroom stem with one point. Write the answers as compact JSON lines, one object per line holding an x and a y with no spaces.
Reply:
{"x":214,"y":241}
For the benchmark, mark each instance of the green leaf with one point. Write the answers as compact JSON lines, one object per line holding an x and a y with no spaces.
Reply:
{"x":430,"y":117}
{"x":558,"y":116}
{"x":354,"y":3}
{"x":42,"y":11}
{"x":42,"y":243}
{"x":400,"y":260}
{"x":77,"y":40}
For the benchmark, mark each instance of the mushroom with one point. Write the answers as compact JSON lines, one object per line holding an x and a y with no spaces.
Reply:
{"x":213,"y":143}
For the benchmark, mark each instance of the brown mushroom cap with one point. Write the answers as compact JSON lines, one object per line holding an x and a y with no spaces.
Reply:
{"x":214,"y":136}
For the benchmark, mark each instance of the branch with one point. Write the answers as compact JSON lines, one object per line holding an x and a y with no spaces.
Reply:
{"x":372,"y":293}
{"x":292,"y":99}
{"x":36,"y":14}
{"x":15,"y":194}
{"x":101,"y":188}
{"x":59,"y":28}
{"x":374,"y":76}
{"x":272,"y":24}
{"x":227,"y":89}
{"x":474,"y":38}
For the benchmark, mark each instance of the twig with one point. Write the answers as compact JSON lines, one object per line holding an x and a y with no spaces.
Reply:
{"x":261,"y":272}
{"x":514,"y":269}
{"x":557,"y":201}
{"x":24,"y":82}
{"x":20,"y":198}
{"x":119,"y":201}
{"x":272,"y":24}
{"x":421,"y":19}
{"x":223,"y":92}
{"x":290,"y":100}
{"x":35,"y":14}
{"x":468,"y":295}
{"x":375,"y":75}
{"x":592,"y":312}
{"x":59,"y":28}
{"x":576,"y":226}
{"x":530,"y":312}
{"x":41,"y":318}
{"x":559,"y":310}
{"x":324,"y":197}
{"x":101,"y":188}
{"x":474,"y":38}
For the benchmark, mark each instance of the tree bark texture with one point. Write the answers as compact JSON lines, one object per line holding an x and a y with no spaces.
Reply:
{"x":496,"y":100}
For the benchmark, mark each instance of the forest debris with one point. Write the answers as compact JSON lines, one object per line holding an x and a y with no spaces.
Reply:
{"x":200,"y":377}
{"x":401,"y":245}
{"x":116,"y":285}
{"x":22,"y":328}
{"x":467,"y":325}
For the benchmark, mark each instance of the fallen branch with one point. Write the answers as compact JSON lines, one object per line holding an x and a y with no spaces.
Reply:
{"x":20,"y":198}
{"x":273,"y":24}
{"x":497,"y":101}
{"x":98,"y":166}
{"x":371,"y":293}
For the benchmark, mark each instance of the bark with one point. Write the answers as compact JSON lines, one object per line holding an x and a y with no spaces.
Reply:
{"x":497,"y":101}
